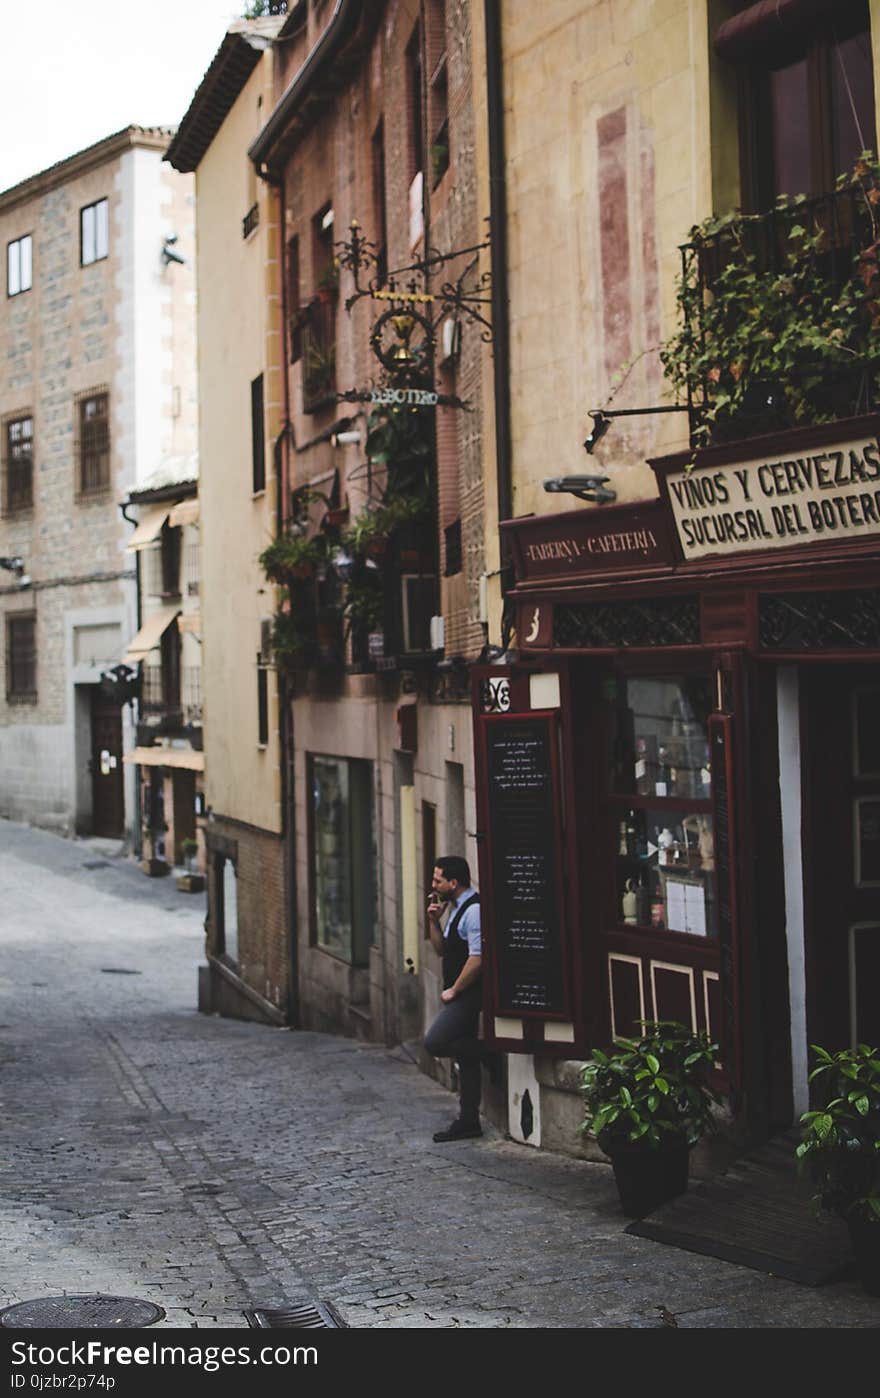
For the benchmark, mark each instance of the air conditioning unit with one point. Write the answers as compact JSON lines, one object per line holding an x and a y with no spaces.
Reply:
{"x":437,"y":632}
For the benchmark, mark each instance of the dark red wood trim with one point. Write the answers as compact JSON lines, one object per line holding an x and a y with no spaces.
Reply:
{"x":724,"y":803}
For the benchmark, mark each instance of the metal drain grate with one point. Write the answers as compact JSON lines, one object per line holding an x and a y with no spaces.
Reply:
{"x":81,"y":1312}
{"x":96,"y":864}
{"x":118,"y":971}
{"x":304,"y":1315}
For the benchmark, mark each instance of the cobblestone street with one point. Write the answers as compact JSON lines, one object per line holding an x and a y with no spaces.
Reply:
{"x":211,"y":1165}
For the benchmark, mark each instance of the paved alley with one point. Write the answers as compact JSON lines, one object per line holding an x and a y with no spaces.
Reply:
{"x":212,"y":1166}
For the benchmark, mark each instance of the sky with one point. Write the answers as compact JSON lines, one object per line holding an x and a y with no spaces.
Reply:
{"x":74,"y":71}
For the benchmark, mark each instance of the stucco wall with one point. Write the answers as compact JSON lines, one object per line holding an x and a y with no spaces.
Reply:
{"x":236,"y":324}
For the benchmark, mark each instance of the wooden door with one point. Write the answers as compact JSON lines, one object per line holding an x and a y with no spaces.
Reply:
{"x":841,"y":764}
{"x":108,"y":798}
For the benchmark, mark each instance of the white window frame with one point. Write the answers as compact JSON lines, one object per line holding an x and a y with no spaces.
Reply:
{"x":19,"y":265}
{"x":94,"y":232}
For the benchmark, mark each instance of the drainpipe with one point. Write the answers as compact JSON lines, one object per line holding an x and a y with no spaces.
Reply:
{"x":285,"y":707}
{"x":137,"y":843}
{"x":500,"y":299}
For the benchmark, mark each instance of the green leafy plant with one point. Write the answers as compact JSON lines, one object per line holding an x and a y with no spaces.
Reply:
{"x":840,"y":1149}
{"x":293,"y":557}
{"x":329,"y":278}
{"x":780,"y":313}
{"x":651,"y":1090}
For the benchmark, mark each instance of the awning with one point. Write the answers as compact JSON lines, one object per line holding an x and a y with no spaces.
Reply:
{"x":184,"y":512}
{"x":149,"y":526}
{"x":149,"y":635}
{"x":167,"y":757}
{"x":191,"y":622}
{"x":766,"y":23}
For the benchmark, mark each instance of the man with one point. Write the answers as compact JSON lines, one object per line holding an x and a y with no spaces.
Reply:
{"x":454,"y":1032}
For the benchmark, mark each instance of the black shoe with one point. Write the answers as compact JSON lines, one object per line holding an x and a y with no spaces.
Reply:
{"x":459,"y":1131}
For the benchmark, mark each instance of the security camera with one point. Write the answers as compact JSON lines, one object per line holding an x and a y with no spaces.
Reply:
{"x":345,"y":439}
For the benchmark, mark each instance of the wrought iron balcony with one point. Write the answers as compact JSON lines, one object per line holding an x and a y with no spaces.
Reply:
{"x":250,"y":221}
{"x":813,"y":252}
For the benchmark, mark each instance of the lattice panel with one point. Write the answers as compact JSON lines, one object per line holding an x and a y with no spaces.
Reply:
{"x":800,"y":621}
{"x":651,"y":622}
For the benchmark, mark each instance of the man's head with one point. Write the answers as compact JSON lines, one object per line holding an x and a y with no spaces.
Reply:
{"x":451,"y":876}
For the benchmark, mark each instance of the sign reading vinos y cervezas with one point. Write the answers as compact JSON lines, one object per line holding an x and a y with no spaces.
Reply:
{"x":824,"y":494}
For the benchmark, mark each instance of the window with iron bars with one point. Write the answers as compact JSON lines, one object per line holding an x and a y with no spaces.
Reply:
{"x":21,"y":659}
{"x":93,"y":442}
{"x":18,"y":464}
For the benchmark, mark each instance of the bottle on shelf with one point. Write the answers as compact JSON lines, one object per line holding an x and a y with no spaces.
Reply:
{"x":664,"y":773}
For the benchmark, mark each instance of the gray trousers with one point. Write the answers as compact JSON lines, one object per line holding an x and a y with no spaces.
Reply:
{"x":454,"y":1035}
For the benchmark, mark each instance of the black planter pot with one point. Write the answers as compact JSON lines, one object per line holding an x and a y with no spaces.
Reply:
{"x":865,"y":1238}
{"x":647,"y":1178}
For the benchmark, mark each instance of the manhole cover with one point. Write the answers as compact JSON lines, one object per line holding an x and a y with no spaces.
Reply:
{"x":90,"y":1312}
{"x":306,"y":1315}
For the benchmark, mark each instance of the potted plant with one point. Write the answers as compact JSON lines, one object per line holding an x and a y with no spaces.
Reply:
{"x":191,"y":881}
{"x":328,"y":282}
{"x":647,"y":1102}
{"x":840,"y":1150}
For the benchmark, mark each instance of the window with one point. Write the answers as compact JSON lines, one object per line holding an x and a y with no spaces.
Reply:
{"x":170,"y":544}
{"x":226,"y":904}
{"x":262,"y":706}
{"x":415,"y":102}
{"x":294,"y":315}
{"x":380,"y":222}
{"x":21,"y":658}
{"x":258,"y":448}
{"x":660,"y":800}
{"x":342,"y":857}
{"x":94,"y":232}
{"x":19,"y":265}
{"x":438,"y":91}
{"x":93,"y":442}
{"x":18,"y":464}
{"x":807,"y":100}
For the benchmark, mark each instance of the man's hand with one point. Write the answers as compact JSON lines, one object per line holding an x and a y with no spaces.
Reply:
{"x":447,"y":995}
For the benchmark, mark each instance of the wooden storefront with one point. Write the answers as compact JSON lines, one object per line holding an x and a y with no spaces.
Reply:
{"x":678,"y":776}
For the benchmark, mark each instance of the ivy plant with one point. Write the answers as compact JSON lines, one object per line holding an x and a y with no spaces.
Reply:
{"x":772,"y":332}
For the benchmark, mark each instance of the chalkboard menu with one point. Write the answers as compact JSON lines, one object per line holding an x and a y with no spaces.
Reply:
{"x":525,"y":900}
{"x":722,"y":782}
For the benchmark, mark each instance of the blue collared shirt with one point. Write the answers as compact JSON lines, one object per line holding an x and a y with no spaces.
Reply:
{"x":469,"y":927}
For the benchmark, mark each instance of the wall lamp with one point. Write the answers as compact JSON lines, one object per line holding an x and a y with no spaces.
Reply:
{"x":590,"y":488}
{"x":602,"y":419}
{"x":16,"y":565}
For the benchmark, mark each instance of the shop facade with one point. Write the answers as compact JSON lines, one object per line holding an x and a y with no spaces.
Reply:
{"x":678,"y":777}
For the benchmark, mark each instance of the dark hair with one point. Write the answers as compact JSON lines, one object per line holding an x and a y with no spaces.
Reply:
{"x":452,"y":866}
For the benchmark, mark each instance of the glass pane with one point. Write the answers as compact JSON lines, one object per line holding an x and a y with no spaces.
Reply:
{"x":666,"y":871}
{"x":852,"y":100}
{"x":660,"y":743}
{"x":13,"y":279}
{"x":789,"y":101}
{"x":332,"y":855}
{"x":88,"y":234}
{"x":102,"y":229}
{"x":26,"y":258}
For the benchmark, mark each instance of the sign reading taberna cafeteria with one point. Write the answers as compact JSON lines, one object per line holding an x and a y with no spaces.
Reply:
{"x":823,"y":494}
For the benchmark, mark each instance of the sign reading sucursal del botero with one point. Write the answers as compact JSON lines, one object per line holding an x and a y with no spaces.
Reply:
{"x":824,"y":493}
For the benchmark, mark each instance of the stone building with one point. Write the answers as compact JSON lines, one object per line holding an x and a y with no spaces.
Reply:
{"x":97,"y":389}
{"x":249,"y":969}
